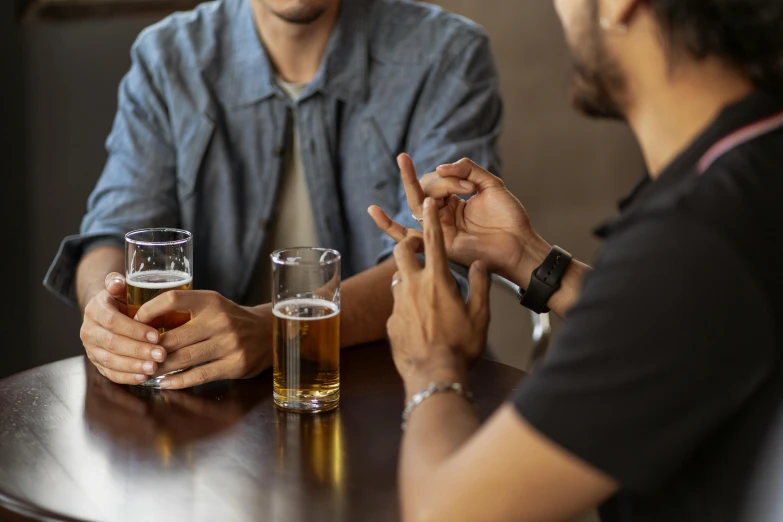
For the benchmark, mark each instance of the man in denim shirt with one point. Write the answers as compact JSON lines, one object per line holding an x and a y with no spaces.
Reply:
{"x":204,"y":130}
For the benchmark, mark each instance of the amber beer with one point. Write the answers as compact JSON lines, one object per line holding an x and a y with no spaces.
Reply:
{"x":306,"y":337}
{"x":158,"y":260}
{"x":143,"y":287}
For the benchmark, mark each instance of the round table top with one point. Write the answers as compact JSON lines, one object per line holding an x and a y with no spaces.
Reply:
{"x":74,"y":446}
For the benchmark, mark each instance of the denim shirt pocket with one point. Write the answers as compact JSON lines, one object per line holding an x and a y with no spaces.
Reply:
{"x":194,"y":141}
{"x":382,"y":183}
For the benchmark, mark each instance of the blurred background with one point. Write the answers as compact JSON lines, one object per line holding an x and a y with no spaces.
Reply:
{"x":57,"y":102}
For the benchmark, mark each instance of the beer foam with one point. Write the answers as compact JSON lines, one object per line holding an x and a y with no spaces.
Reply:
{"x":305,"y":303}
{"x":174,"y":279}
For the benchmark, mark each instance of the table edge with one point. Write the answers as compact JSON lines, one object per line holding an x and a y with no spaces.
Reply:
{"x":25,"y":509}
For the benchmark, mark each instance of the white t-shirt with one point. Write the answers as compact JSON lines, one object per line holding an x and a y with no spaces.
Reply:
{"x":294,"y":225}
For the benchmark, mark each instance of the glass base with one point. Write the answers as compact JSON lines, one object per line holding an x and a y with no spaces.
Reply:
{"x":155,"y":381}
{"x":306,"y":403}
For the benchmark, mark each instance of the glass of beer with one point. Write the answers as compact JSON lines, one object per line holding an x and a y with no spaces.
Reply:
{"x":306,"y":329}
{"x":158,"y":260}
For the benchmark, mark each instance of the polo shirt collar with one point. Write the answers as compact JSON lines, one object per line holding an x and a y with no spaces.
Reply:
{"x":747,"y":111}
{"x":343,"y":73}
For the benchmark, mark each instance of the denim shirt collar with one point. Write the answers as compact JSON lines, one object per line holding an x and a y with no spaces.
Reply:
{"x":343,"y":72}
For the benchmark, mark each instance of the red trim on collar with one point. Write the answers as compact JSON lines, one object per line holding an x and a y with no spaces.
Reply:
{"x":739,"y":137}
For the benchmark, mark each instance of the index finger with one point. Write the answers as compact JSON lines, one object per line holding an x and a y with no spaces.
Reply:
{"x":410,"y":182}
{"x":393,"y":229}
{"x":434,"y":245}
{"x":103,"y":311}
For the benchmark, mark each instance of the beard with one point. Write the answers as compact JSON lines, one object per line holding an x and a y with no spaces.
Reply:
{"x":301,"y":14}
{"x":598,"y":84}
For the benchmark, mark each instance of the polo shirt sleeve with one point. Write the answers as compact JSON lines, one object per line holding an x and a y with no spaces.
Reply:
{"x":656,"y":355}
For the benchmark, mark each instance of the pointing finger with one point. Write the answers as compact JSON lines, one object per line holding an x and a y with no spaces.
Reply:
{"x":393,"y":229}
{"x":410,"y":181}
{"x":434,"y":244}
{"x":478,"y":300}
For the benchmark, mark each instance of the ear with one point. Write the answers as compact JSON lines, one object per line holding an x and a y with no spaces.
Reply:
{"x":618,"y":13}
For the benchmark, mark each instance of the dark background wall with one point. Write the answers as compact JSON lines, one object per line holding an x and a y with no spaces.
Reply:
{"x":14,"y":234}
{"x":57,"y":110}
{"x":58,"y":97}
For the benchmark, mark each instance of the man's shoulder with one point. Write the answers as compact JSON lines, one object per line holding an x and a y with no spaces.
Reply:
{"x":189,"y":38}
{"x":409,"y":32}
{"x":739,"y":194}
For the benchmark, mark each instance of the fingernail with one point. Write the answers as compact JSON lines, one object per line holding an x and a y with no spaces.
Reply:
{"x":152,"y":336}
{"x":141,"y":378}
{"x":148,"y":367}
{"x":136,"y":317}
{"x":427,"y":202}
{"x":157,"y":354}
{"x":164,"y":383}
{"x":466,"y":185}
{"x":115,"y":281}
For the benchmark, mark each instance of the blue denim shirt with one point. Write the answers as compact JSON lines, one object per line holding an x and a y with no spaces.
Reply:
{"x":198,"y":140}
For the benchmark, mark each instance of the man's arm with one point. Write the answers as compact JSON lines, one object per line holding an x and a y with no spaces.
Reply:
{"x":366,"y":305}
{"x":503,"y":471}
{"x":92,"y":271}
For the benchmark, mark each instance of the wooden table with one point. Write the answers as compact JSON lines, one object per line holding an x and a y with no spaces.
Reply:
{"x":74,"y":446}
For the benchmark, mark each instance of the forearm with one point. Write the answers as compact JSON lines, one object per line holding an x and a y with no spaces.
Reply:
{"x":536,"y":250}
{"x":436,"y":430}
{"x":367,"y":303}
{"x":93,"y":269}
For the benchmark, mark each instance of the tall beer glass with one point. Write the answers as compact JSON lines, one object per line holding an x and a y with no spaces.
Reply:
{"x":306,"y":329}
{"x":158,"y":260}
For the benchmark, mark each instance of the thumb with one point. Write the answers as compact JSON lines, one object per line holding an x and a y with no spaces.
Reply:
{"x":468,"y":170}
{"x":115,"y":285}
{"x":478,"y":300}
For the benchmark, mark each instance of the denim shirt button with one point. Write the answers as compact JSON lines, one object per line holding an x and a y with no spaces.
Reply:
{"x":262,"y":224}
{"x":278,"y":152}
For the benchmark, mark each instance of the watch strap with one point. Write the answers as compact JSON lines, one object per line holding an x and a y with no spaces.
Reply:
{"x":545,"y":280}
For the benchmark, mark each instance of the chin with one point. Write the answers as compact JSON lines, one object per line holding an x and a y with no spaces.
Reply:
{"x":300,"y":12}
{"x":593,"y":106}
{"x":592,"y":94}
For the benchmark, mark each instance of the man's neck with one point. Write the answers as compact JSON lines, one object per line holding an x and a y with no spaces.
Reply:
{"x":668,"y":117}
{"x":296,"y":50}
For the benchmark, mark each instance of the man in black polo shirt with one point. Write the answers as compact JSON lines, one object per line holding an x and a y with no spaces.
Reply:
{"x":659,"y":393}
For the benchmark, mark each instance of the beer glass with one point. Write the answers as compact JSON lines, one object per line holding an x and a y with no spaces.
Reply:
{"x":158,"y":260}
{"x":306,"y":329}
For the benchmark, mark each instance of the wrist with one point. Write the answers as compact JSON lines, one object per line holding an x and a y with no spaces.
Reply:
{"x":263,"y":312}
{"x":446,"y":372}
{"x":534,"y":253}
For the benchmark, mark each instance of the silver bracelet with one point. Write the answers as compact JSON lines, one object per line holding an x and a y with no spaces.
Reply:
{"x":429,"y":391}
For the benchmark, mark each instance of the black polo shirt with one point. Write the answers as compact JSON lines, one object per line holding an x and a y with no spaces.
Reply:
{"x":668,"y":371}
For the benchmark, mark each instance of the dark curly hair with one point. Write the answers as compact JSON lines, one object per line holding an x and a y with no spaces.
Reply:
{"x":747,"y":34}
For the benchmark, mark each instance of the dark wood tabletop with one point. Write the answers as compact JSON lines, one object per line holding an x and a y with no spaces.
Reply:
{"x":74,"y":446}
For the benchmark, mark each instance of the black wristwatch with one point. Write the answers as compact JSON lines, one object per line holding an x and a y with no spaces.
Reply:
{"x":546,"y":280}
